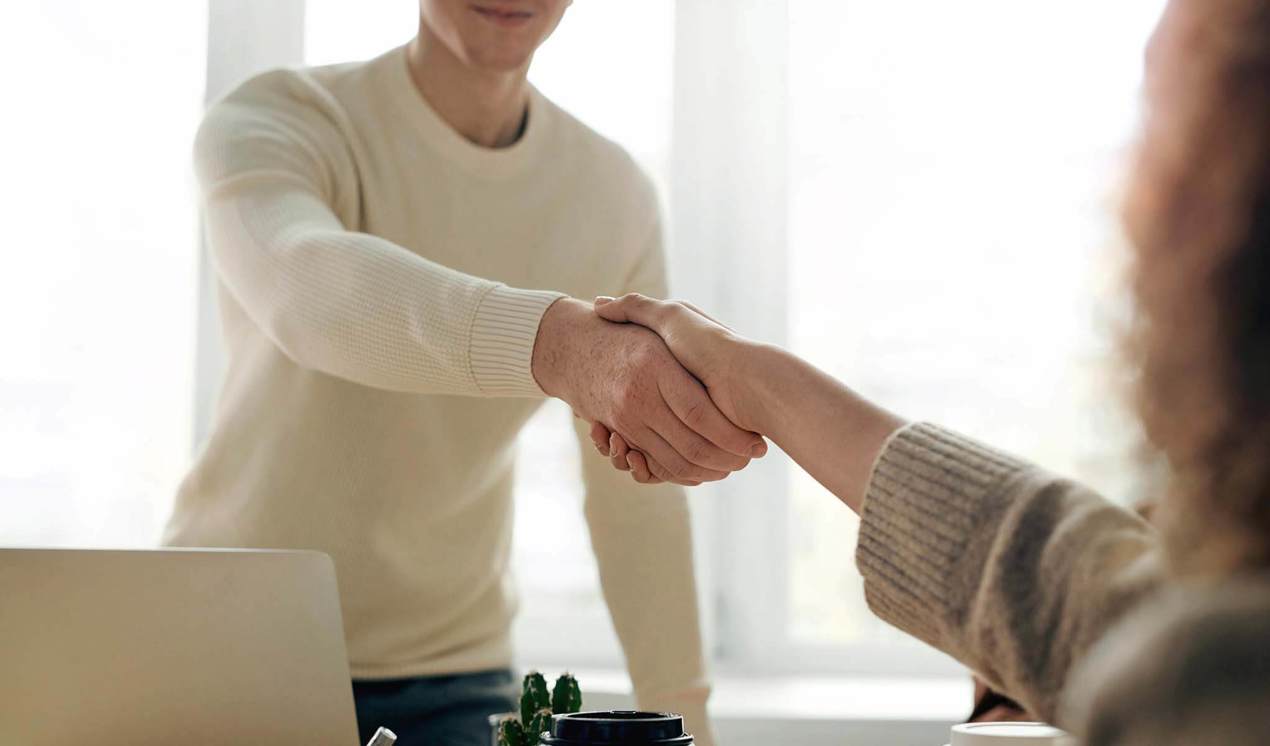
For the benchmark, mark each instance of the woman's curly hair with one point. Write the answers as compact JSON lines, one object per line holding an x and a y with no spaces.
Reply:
{"x":1198,"y":214}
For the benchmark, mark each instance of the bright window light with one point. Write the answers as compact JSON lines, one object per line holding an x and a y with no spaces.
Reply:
{"x":98,"y":293}
{"x":952,"y":244}
{"x":953,"y":239}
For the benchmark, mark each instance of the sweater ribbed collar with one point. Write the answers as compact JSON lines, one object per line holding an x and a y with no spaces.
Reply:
{"x":492,"y":163}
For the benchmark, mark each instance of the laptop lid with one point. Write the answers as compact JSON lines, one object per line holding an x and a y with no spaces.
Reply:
{"x":174,"y":646}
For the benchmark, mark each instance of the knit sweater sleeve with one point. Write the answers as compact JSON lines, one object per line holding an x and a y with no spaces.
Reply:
{"x":273,"y":168}
{"x":1011,"y":570}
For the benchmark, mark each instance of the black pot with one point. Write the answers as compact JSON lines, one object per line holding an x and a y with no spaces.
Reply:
{"x":618,"y":728}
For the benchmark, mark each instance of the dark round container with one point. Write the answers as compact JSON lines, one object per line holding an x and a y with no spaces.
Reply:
{"x":618,"y":728}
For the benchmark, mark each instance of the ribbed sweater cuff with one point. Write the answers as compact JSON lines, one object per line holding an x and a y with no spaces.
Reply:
{"x":929,"y":492}
{"x":502,"y":342}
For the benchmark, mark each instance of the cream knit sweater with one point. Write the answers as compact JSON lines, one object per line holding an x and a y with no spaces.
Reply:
{"x":1060,"y":599}
{"x":382,"y":280}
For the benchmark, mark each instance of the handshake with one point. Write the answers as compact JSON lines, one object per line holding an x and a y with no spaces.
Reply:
{"x":661,"y":383}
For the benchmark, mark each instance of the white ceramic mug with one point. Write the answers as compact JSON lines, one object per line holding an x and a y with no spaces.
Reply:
{"x":1009,"y":734}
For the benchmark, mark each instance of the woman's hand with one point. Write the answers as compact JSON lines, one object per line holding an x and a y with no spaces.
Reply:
{"x":709,"y":350}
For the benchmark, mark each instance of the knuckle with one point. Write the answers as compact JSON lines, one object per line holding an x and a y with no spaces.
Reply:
{"x":695,"y":415}
{"x":736,"y":441}
{"x":696,"y":451}
{"x":681,"y":471}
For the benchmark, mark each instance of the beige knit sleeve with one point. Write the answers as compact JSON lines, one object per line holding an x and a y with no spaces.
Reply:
{"x":1011,"y":570}
{"x":271,"y":165}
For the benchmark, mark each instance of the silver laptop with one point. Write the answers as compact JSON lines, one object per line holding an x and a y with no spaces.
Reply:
{"x":173,"y":647}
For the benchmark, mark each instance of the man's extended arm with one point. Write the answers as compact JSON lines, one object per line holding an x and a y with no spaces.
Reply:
{"x":359,"y":307}
{"x":348,"y":304}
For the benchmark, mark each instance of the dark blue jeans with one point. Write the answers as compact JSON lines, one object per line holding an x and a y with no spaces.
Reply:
{"x":425,"y":710}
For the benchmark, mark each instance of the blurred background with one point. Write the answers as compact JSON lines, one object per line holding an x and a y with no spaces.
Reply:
{"x":918,"y":196}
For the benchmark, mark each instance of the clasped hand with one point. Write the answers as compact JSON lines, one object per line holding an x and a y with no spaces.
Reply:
{"x":706,"y":348}
{"x":644,"y":401}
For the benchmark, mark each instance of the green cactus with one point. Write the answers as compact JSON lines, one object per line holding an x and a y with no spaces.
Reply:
{"x":566,"y":697}
{"x":533,"y":697}
{"x":537,"y":707}
{"x":510,"y":732}
{"x":540,"y":723}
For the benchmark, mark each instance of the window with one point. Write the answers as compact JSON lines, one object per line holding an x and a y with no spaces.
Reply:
{"x":953,"y":240}
{"x":943,"y":215}
{"x":98,"y":292}
{"x":930,"y":184}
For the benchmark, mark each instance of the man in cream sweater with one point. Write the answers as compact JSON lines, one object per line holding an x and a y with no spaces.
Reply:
{"x":398,"y":244}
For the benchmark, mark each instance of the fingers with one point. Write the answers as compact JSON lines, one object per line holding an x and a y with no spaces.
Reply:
{"x":661,"y":410}
{"x":731,"y":448}
{"x":662,"y":474}
{"x":690,"y":444}
{"x":649,"y":312}
{"x":696,"y":310}
{"x":624,"y":459}
{"x":617,"y":452}
{"x":640,"y":469}
{"x":633,"y":308}
{"x":600,"y":437}
{"x":677,"y":469}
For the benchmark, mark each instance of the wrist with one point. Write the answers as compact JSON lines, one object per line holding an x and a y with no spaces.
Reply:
{"x":553,"y":348}
{"x":759,"y":371}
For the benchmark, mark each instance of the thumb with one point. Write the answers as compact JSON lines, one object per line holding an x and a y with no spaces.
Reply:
{"x":630,"y":308}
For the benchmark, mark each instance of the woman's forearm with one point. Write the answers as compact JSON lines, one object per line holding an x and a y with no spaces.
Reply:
{"x":832,"y":432}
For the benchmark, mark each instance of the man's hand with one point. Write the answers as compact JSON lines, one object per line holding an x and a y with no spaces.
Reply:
{"x":709,"y":350}
{"x":623,"y":375}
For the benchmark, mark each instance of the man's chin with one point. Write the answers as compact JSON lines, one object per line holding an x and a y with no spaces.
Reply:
{"x":500,"y":60}
{"x":504,"y":65}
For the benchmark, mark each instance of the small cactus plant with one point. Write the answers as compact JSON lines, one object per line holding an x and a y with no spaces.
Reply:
{"x":540,"y":723}
{"x":566,"y":697}
{"x":533,"y":697}
{"x":537,"y":708}
{"x":510,"y":733}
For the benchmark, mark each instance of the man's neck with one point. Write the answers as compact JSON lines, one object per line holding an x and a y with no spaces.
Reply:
{"x":487,"y":108}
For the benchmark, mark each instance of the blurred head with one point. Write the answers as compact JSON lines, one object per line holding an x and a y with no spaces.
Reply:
{"x":1198,"y":215}
{"x":493,"y":35}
